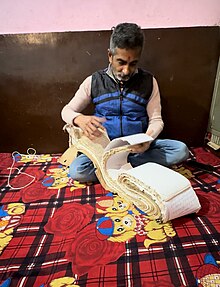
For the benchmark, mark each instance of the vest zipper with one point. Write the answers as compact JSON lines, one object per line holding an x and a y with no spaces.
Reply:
{"x":121,"y":99}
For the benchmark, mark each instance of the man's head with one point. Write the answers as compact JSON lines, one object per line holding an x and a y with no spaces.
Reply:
{"x":126,"y":45}
{"x":126,"y":36}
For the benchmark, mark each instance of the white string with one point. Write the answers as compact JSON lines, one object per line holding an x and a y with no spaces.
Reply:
{"x":19,"y":170}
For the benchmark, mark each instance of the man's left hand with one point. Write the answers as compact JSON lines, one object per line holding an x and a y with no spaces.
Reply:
{"x":140,"y":148}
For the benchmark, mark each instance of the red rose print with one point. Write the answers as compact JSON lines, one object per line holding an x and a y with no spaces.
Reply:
{"x":87,"y":251}
{"x":69,"y":219}
{"x":206,"y":157}
{"x":210,"y":205}
{"x":25,"y":178}
{"x":35,"y":192}
{"x":6,"y":161}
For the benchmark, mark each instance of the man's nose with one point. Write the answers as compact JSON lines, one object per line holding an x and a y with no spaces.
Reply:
{"x":126,"y":70}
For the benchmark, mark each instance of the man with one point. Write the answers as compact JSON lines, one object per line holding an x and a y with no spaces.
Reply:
{"x":127,"y":101}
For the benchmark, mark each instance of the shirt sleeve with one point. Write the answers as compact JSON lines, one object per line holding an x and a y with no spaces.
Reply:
{"x":156,"y":124}
{"x":78,"y":103}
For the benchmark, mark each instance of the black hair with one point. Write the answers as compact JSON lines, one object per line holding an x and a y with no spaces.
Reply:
{"x":126,"y":36}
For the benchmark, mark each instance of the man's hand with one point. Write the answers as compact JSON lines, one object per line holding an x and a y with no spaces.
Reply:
{"x":91,"y":125}
{"x":140,"y":148}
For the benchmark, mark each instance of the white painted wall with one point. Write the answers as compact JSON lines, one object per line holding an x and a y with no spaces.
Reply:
{"x":26,"y":16}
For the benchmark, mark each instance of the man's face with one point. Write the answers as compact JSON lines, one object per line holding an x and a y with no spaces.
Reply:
{"x":124,"y":62}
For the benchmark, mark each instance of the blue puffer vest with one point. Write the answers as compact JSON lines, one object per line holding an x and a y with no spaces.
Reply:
{"x":124,"y":109}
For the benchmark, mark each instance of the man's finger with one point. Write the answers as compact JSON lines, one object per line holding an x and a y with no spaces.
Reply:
{"x":100,"y":120}
{"x":97,"y":123}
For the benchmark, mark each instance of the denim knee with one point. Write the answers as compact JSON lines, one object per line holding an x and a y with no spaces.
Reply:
{"x":184,"y":151}
{"x":181,"y":153}
{"x":82,"y":169}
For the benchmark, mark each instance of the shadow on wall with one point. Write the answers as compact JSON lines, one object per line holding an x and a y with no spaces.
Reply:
{"x":40,"y":73}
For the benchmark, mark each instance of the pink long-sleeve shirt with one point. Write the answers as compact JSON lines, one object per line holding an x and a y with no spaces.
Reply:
{"x":83,"y":98}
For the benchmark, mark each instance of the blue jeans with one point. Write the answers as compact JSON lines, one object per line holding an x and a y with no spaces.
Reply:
{"x":165,"y":152}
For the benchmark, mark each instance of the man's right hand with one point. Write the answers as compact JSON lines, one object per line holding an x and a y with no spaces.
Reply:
{"x":91,"y":125}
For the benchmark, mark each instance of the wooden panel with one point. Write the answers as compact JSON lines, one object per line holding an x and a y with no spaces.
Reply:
{"x":39,"y":73}
{"x":184,"y":60}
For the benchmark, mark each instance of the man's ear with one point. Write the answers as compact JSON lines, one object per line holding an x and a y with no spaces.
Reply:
{"x":110,"y":56}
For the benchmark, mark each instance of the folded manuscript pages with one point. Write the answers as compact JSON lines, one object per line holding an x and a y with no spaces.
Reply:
{"x":160,"y":192}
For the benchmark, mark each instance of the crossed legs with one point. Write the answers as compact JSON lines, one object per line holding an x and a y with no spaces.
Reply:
{"x":165,"y":152}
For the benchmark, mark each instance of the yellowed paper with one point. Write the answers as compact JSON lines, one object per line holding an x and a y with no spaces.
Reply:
{"x":160,"y":192}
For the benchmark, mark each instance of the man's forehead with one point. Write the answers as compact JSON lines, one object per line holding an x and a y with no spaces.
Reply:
{"x":127,"y":54}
